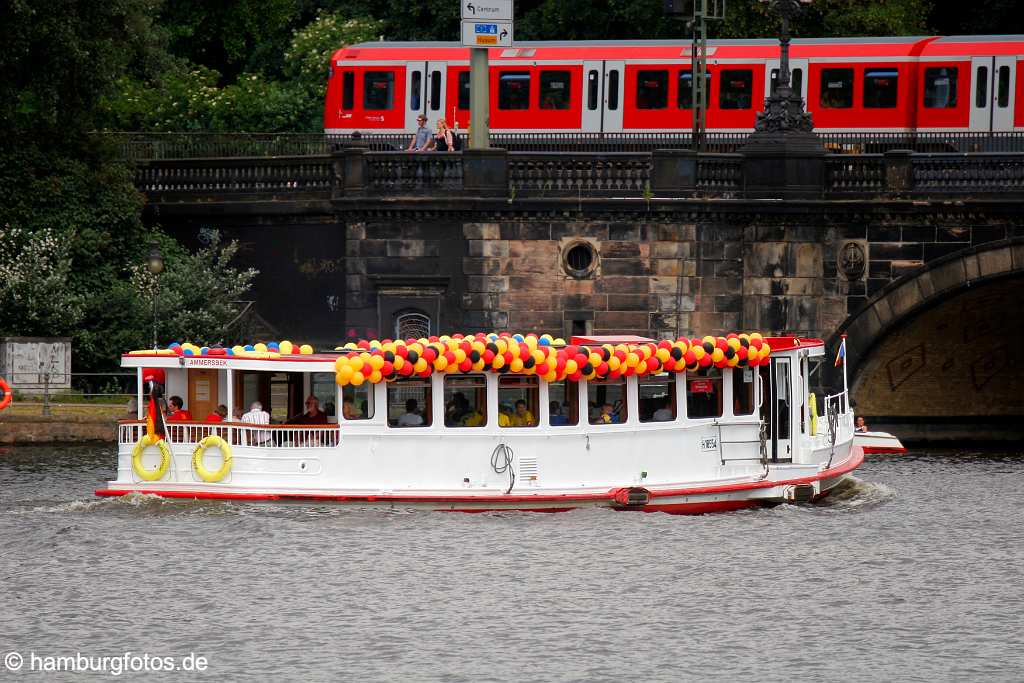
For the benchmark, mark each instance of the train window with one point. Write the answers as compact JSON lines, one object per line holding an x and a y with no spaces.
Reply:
{"x":592,"y":89}
{"x":378,"y":90}
{"x":652,"y":89}
{"x":836,"y":88}
{"x":796,"y":80}
{"x":981,"y":88}
{"x":554,"y":89}
{"x":940,"y":87}
{"x":435,"y":91}
{"x":348,"y":88}
{"x":464,"y":90}
{"x":416,"y":91}
{"x":880,"y":88}
{"x":514,"y":90}
{"x":684,"y":98}
{"x":613,"y":90}
{"x":735,"y":88}
{"x":1003,"y":87}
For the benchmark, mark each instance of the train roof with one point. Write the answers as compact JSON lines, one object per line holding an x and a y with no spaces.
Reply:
{"x":857,"y":47}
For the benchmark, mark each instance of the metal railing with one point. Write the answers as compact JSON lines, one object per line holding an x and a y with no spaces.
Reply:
{"x":264,"y":436}
{"x":155,"y":146}
{"x":230,"y":176}
{"x":614,"y":174}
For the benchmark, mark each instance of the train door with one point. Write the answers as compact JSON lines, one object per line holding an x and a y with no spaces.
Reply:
{"x":614,"y":95}
{"x":437,"y":73}
{"x":416,"y":87}
{"x":797,"y":78}
{"x":592,"y":96}
{"x":1004,"y":85}
{"x":981,"y":94}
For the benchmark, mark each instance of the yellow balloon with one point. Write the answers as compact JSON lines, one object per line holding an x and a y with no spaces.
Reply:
{"x":376,"y":362}
{"x":613,"y":363}
{"x":356,"y":363}
{"x":516,"y":365}
{"x":375,"y":376}
{"x":340,"y":362}
{"x":441,"y":364}
{"x":357,"y":379}
{"x":559,"y":342}
{"x":420,"y":365}
{"x":260,"y":348}
{"x":340,"y":380}
{"x":717,"y":355}
{"x":346,"y":374}
{"x":663,"y":355}
{"x":305,"y":349}
{"x":399,"y":362}
{"x":571,"y":366}
{"x":286,"y":347}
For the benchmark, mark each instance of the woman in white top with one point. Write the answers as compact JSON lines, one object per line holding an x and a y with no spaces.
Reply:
{"x":410,"y":418}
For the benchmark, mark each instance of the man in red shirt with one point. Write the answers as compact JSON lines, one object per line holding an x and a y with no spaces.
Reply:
{"x":218,"y":414}
{"x":178,"y":412}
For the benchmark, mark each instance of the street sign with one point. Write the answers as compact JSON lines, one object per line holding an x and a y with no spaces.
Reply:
{"x":486,"y":10}
{"x":487,"y":33}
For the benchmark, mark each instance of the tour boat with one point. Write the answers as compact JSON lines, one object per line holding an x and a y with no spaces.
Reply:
{"x":492,"y":422}
{"x":878,"y":443}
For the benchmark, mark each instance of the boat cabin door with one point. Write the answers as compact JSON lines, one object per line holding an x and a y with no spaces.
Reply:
{"x":777,"y":409}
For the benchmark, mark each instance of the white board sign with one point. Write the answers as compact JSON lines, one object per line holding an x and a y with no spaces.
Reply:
{"x":487,"y":10}
{"x":487,"y":33}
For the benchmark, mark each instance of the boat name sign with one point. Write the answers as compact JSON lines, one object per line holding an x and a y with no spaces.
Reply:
{"x":709,"y":443}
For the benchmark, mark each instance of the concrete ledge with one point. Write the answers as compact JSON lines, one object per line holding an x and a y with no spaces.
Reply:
{"x":17,"y":429}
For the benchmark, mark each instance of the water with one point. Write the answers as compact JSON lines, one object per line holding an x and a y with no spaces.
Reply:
{"x":912,"y":573}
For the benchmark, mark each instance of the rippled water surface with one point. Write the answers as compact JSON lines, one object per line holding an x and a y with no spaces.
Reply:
{"x":913,"y":572}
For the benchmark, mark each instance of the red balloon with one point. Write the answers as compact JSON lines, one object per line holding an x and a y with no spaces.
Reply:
{"x":406,"y":370}
{"x":466,"y":365}
{"x":508,"y":357}
{"x":524,"y":352}
{"x":576,"y":376}
{"x":664,"y":344}
{"x":742,"y":352}
{"x":425,"y":373}
{"x":652,"y":364}
{"x":488,"y":357}
{"x":449,"y":356}
{"x":721,"y":343}
{"x":705,"y":361}
{"x":542,"y":369}
{"x":581,"y":359}
{"x":402,"y":351}
{"x":387,"y":368}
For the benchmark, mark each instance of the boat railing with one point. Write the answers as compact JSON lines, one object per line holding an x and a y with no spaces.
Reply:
{"x":261,"y":436}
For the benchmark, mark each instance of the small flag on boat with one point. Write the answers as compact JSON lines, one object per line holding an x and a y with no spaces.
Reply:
{"x":841,"y":356}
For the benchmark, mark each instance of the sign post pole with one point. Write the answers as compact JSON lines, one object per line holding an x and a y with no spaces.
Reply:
{"x":479,"y":99}
{"x":485,"y":24}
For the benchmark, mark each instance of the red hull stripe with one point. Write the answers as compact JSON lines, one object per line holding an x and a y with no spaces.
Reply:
{"x":870,"y":450}
{"x":855,"y":460}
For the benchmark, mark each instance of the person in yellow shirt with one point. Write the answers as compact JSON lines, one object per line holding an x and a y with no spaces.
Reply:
{"x":504,"y":416}
{"x":523,"y":417}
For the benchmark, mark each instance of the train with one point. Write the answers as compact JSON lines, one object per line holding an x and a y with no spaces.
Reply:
{"x":891,"y":85}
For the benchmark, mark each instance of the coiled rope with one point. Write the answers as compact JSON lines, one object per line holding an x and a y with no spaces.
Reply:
{"x":501,"y":462}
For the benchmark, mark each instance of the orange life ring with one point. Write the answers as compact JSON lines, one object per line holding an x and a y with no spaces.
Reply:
{"x":5,"y":394}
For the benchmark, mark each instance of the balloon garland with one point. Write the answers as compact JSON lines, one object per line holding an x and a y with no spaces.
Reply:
{"x":551,"y":359}
{"x":260,"y":350}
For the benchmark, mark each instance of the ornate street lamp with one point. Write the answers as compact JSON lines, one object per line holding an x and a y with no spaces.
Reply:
{"x":784,"y":109}
{"x":155,"y":266}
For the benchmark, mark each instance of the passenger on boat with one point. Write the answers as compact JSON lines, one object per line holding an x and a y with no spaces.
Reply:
{"x":349,"y":410}
{"x":257,"y":416}
{"x":456,"y":409}
{"x":236,"y":414}
{"x":555,"y":416}
{"x":218,"y":415}
{"x":178,"y":412}
{"x":504,"y":415}
{"x":313,"y":414}
{"x":860,"y":425}
{"x":523,"y":417}
{"x":607,"y":415}
{"x":410,"y":418}
{"x":664,"y":413}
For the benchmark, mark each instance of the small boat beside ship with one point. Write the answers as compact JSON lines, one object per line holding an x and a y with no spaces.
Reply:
{"x":492,"y":422}
{"x":876,"y":443}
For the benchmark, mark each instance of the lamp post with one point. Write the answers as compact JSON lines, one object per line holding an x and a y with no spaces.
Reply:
{"x":784,"y":109}
{"x":155,"y":266}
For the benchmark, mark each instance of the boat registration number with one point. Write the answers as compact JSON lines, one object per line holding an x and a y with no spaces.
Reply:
{"x":709,"y":443}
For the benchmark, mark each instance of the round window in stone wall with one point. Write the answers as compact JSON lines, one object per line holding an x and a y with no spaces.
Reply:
{"x":579,"y":259}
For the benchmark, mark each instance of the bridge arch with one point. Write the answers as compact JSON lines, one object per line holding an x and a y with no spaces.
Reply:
{"x":936,"y":351}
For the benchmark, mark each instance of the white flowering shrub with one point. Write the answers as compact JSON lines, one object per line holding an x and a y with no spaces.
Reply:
{"x":35,"y":296}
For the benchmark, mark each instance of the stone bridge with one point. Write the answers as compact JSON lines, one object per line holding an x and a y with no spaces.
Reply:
{"x":916,"y":256}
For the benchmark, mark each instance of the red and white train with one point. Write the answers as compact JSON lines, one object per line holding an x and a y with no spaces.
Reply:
{"x":850,"y":84}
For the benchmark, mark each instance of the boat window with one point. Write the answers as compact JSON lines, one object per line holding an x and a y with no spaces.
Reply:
{"x":554,"y":89}
{"x":684,"y":99}
{"x":652,"y":89}
{"x":613,"y":90}
{"x":465,"y":401}
{"x":348,"y":87}
{"x":742,"y":391}
{"x":606,"y":401}
{"x":657,"y":398}
{"x":378,"y":90}
{"x":518,"y":401}
{"x":881,"y":88}
{"x":464,"y":90}
{"x":435,"y":91}
{"x":1003,"y":87}
{"x":563,"y":403}
{"x":704,"y":393}
{"x":981,"y":88}
{"x":323,"y":386}
{"x":416,"y":91}
{"x":514,"y":90}
{"x":735,"y":88}
{"x":409,"y":403}
{"x":836,"y":88}
{"x":592,"y":89}
{"x":357,"y":402}
{"x":796,"y":80}
{"x":940,"y":87}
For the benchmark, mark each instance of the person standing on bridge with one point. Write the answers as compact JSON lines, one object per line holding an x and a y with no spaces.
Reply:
{"x":421,"y":140}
